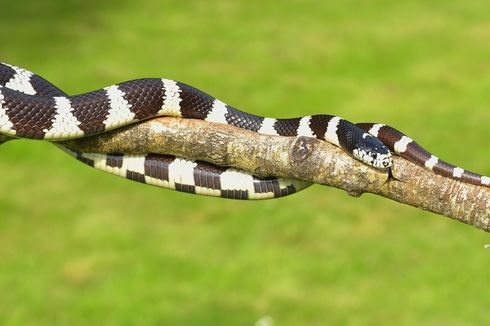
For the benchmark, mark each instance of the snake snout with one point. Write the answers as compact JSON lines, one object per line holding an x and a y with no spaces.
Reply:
{"x":373,"y":152}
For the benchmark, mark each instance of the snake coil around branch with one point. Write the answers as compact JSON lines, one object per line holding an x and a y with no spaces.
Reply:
{"x":303,"y":158}
{"x":271,"y":158}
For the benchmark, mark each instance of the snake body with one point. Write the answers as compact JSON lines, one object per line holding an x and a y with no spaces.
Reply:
{"x":31,"y":107}
{"x":165,"y":171}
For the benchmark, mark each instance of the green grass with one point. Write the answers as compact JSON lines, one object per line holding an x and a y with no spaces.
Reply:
{"x":78,"y":246}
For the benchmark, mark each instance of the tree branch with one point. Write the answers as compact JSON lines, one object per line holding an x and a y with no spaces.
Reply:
{"x":303,"y":158}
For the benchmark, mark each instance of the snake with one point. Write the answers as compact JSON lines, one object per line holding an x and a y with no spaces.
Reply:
{"x":31,"y":107}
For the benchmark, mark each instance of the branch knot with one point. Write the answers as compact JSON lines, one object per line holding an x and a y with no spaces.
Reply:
{"x":301,"y":148}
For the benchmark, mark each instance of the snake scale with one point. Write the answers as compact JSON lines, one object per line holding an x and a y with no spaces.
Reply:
{"x":31,"y":107}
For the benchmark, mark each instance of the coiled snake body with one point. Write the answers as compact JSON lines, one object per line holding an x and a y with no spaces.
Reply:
{"x":31,"y":107}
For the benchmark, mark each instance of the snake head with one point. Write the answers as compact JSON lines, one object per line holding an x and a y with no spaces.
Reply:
{"x":372,"y":152}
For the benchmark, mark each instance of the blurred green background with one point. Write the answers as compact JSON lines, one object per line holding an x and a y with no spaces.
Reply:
{"x":78,"y":246}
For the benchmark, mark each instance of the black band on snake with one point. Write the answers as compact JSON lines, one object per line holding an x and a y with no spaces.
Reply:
{"x":31,"y":107}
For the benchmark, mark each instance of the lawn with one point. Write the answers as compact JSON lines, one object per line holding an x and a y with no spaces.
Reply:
{"x":79,"y":247}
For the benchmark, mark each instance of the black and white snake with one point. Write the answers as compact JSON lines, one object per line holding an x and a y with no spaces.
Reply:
{"x":31,"y":107}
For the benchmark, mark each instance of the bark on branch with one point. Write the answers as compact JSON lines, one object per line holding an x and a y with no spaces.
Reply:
{"x":302,"y":158}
